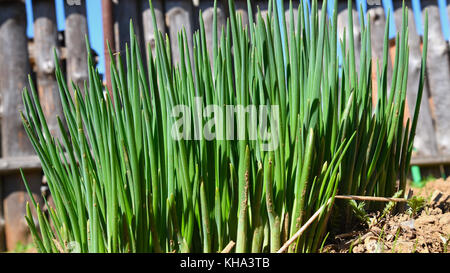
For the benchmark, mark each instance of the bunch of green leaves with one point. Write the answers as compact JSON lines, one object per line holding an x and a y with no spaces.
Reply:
{"x":359,"y":211}
{"x":120,"y":182}
{"x":416,"y":204}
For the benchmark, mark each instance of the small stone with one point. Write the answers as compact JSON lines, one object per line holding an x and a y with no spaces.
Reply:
{"x":371,"y":247}
{"x":389,"y":237}
{"x":435,"y":211}
{"x":404,"y":247}
{"x":379,"y":247}
{"x":370,"y":243}
{"x":411,"y":235}
{"x":445,"y":219}
{"x":370,"y":239}
{"x":358,"y":249}
{"x":408,"y":224}
{"x":446,"y":229}
{"x":376,"y":230}
{"x":424,"y":220}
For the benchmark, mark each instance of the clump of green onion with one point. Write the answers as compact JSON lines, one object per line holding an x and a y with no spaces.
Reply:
{"x":120,"y":182}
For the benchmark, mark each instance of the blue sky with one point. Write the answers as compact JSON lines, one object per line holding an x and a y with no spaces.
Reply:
{"x":95,"y":21}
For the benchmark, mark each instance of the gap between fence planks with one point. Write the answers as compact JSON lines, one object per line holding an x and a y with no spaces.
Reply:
{"x":123,"y":12}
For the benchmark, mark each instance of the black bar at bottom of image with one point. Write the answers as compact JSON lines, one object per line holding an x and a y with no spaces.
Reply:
{"x":217,"y":262}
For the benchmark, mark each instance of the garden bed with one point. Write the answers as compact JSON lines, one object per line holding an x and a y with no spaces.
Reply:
{"x":426,"y":232}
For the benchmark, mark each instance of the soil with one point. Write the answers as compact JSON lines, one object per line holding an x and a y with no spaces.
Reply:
{"x":428,"y":231}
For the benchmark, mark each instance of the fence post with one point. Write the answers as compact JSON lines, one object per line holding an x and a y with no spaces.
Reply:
{"x":75,"y":33}
{"x":14,"y":68}
{"x":438,"y":69}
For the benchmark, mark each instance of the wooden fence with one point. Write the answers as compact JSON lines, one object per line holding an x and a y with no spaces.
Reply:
{"x":20,"y":57}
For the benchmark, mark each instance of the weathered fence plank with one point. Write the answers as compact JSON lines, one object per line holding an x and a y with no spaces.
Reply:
{"x":342,"y":21}
{"x":438,"y":71}
{"x":377,"y":28}
{"x":207,"y":8}
{"x":14,"y":68}
{"x":425,"y":140}
{"x":75,"y":33}
{"x":147,"y":22}
{"x":179,"y":15}
{"x":45,"y":41}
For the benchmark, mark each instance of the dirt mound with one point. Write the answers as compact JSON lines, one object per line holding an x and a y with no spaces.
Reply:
{"x":425,"y":231}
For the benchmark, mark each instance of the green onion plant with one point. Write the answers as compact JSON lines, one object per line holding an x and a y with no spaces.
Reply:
{"x":121,"y":182}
